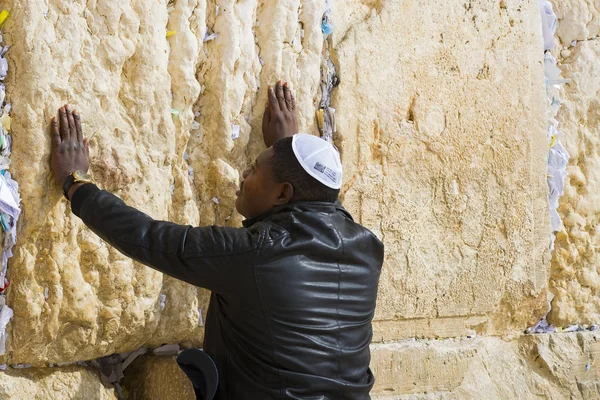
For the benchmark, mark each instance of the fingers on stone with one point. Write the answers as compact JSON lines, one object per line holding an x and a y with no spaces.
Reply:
{"x":280,"y":96}
{"x":72,"y":129}
{"x":287,"y":92}
{"x":54,"y":131}
{"x":64,"y":124}
{"x":274,"y":104}
{"x":77,"y":119}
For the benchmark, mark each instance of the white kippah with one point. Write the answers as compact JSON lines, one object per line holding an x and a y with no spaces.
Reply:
{"x":319,"y":158}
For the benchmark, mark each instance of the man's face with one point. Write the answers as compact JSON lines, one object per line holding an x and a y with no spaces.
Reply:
{"x":259,"y":192}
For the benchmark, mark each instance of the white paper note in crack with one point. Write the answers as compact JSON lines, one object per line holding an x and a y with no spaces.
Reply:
{"x":549,"y":22}
{"x":235,"y":131}
{"x":8,"y":203}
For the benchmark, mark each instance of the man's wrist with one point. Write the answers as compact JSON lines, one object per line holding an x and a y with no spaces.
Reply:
{"x":278,"y":138}
{"x":73,"y":181}
{"x":74,"y":188}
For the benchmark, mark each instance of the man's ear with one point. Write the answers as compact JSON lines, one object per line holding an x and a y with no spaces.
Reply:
{"x":285,"y":194}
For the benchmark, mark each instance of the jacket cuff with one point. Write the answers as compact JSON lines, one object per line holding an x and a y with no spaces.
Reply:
{"x":81,"y":195}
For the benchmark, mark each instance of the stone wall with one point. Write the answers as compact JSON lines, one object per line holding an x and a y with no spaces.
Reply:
{"x":444,"y":160}
{"x":429,"y":121}
{"x":574,"y":278}
{"x":56,"y":384}
{"x":558,"y":366}
{"x":441,"y":122}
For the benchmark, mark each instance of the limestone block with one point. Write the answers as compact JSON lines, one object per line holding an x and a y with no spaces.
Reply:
{"x":442,"y":131}
{"x":157,"y":378}
{"x":555,"y":366}
{"x":138,"y":92}
{"x":440,"y":122}
{"x":111,"y":61}
{"x":574,"y":277}
{"x":68,"y":383}
{"x":577,"y":20}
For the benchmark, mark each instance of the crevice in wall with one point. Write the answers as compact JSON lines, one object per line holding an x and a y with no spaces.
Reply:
{"x":558,"y":157}
{"x":329,"y":80}
{"x":10,"y":200}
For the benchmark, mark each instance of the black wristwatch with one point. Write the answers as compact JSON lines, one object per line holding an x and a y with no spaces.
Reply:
{"x":76,"y":177}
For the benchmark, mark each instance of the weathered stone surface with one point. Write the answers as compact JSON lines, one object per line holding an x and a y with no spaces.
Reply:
{"x":157,"y":378}
{"x":556,"y":366}
{"x":577,"y":20}
{"x":574,"y":274}
{"x":68,"y":383}
{"x":110,"y":60}
{"x":113,"y":62}
{"x":444,"y":156}
{"x":575,"y":279}
{"x":440,"y":122}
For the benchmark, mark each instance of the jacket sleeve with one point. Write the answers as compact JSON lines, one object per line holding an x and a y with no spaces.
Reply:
{"x":203,"y":256}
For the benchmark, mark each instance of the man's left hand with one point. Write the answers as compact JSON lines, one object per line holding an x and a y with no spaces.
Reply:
{"x":280,"y":119}
{"x":70,"y":151}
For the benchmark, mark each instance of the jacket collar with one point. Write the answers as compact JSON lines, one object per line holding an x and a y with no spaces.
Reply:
{"x":299,"y":206}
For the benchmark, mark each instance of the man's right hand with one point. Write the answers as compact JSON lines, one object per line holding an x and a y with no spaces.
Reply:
{"x":280,"y":119}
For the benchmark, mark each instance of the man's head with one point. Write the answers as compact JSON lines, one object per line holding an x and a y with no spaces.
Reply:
{"x":277,"y":177}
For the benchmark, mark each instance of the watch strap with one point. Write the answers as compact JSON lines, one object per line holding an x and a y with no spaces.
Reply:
{"x":67,"y":185}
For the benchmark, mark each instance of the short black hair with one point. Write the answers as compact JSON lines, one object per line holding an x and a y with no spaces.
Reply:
{"x":286,"y":168}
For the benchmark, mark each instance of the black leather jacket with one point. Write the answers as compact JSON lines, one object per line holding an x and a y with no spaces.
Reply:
{"x":293,"y":292}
